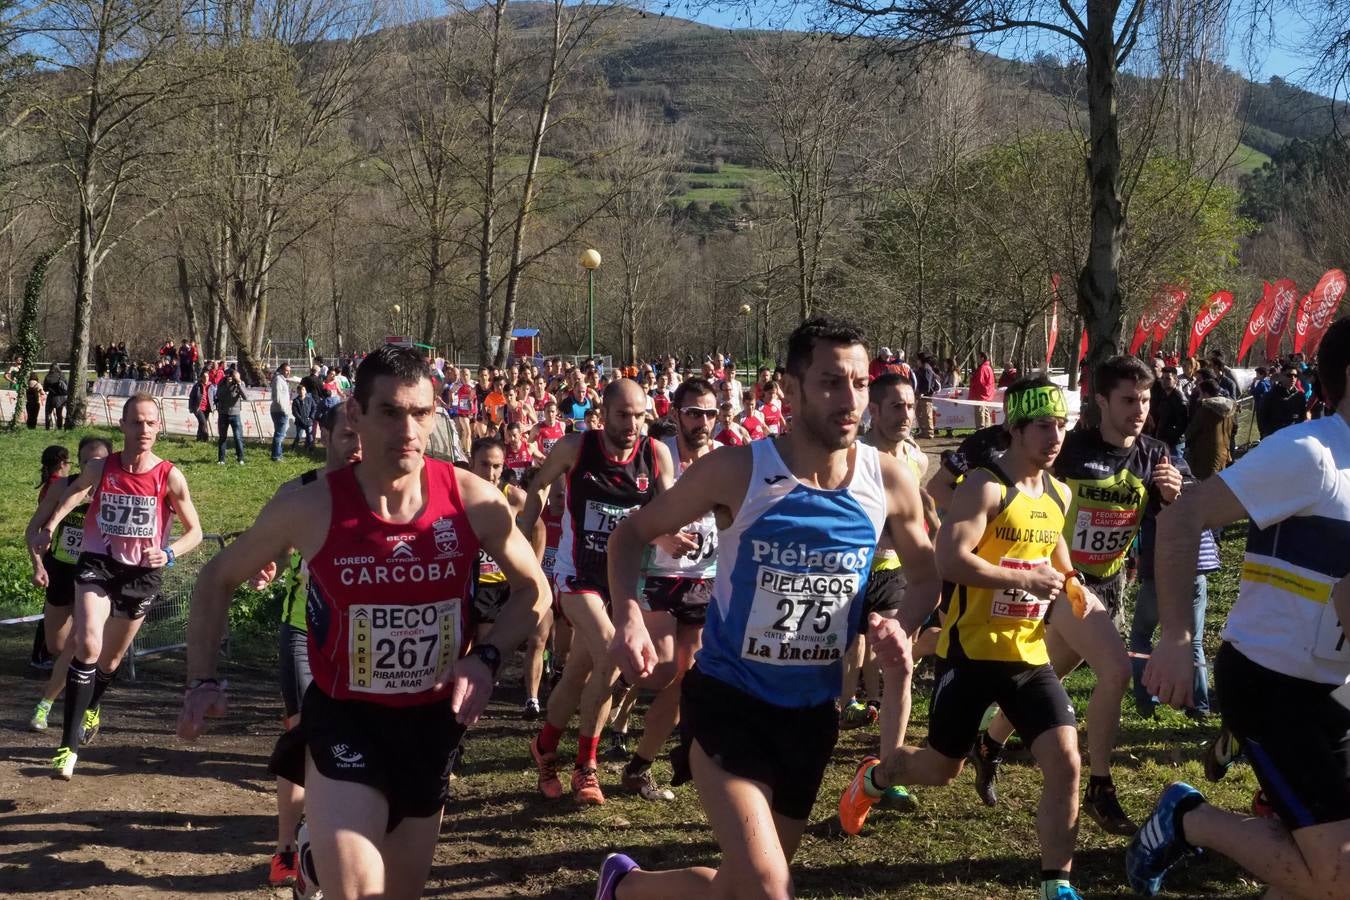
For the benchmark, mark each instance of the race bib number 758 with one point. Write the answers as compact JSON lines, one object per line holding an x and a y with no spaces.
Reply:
{"x":401,"y":649}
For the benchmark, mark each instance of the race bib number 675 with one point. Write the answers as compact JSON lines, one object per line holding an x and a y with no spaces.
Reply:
{"x":401,"y":649}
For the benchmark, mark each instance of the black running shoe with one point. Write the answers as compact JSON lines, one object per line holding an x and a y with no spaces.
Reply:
{"x":986,"y":774}
{"x":1104,"y":809}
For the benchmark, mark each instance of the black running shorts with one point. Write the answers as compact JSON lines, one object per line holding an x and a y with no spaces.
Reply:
{"x":1031,"y":697}
{"x":1111,"y":591}
{"x":783,"y":748}
{"x":488,"y":601}
{"x":575,"y":584}
{"x":684,"y":598}
{"x":130,"y":588}
{"x":293,"y":653}
{"x":1296,"y":735}
{"x":60,"y":581}
{"x":885,"y":592}
{"x":404,"y":752}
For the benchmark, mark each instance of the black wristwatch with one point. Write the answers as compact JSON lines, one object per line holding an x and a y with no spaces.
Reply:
{"x":489,"y":655}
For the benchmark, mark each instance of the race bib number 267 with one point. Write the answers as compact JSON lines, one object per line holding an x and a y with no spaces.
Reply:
{"x":401,"y":649}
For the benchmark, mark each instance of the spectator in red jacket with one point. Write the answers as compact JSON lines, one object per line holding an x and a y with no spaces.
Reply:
{"x":982,"y":388}
{"x":1009,"y":374}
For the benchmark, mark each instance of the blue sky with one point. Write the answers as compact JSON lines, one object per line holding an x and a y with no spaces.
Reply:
{"x":1280,"y":54}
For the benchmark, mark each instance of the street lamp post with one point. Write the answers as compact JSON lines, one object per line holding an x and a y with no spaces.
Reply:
{"x":590,"y":261}
{"x":745,"y":314}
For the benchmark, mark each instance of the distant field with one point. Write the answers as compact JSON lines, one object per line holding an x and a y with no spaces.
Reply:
{"x":732,"y":184}
{"x":1248,"y":159}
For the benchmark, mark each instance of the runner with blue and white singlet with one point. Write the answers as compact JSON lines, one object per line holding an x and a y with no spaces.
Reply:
{"x":799,"y":518}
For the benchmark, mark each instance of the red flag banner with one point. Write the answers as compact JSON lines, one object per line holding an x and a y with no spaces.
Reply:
{"x":1281,"y":308}
{"x":1082,"y":346}
{"x":1326,"y":300}
{"x":1052,"y":333}
{"x":1302,"y":321}
{"x":1147,"y":320}
{"x":1215,"y":308}
{"x":1172,"y":305}
{"x":1256,"y":323}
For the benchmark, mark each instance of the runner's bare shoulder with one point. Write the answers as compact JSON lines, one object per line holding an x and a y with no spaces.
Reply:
{"x":300,"y":514}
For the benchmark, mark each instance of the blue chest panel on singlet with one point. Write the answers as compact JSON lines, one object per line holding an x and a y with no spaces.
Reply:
{"x":791,"y":573}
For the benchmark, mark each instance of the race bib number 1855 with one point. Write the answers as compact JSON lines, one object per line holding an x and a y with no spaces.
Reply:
{"x":401,"y":649}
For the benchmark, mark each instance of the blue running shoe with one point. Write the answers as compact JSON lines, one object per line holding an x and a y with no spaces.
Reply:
{"x":612,"y":871}
{"x":1066,"y":892}
{"x":1157,"y":846}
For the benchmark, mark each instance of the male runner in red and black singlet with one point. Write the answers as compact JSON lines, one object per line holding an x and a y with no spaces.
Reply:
{"x":388,"y":611}
{"x":124,"y":552}
{"x":608,"y":472}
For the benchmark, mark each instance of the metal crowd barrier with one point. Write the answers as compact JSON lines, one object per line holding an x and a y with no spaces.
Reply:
{"x":165,"y":625}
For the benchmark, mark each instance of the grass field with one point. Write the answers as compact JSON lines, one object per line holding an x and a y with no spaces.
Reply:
{"x":1248,"y":159}
{"x":506,"y":841}
{"x":731,"y":184}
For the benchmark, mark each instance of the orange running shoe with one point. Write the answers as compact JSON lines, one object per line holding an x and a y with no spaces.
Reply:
{"x":547,"y":763}
{"x":586,"y":787}
{"x":283,"y":868}
{"x":855,"y":803}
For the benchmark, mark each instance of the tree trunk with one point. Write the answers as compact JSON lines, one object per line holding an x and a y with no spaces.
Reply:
{"x":1099,"y":300}
{"x":485,"y":241}
{"x":84,"y":317}
{"x":527,"y":193}
{"x":189,"y":305}
{"x":434,"y":266}
{"x":27,"y":344}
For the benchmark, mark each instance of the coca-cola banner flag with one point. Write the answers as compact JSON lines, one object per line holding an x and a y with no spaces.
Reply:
{"x":1174,"y":301}
{"x":1210,"y":315}
{"x":1326,"y":300}
{"x":1256,"y":323}
{"x":1052,"y":333}
{"x":1281,"y":308}
{"x":1147,"y":319}
{"x":1302,"y":321}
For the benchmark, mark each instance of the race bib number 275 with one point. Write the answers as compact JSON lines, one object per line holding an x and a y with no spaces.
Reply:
{"x":799,"y":618}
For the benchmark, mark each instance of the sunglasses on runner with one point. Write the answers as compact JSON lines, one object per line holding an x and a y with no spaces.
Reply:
{"x":699,"y":411}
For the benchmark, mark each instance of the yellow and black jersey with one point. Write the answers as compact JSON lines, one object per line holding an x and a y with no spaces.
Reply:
{"x":910,"y":454}
{"x":1006,"y":624}
{"x":1110,"y":489}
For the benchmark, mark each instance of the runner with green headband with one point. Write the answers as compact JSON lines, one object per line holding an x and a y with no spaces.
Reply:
{"x":1117,"y":476}
{"x":1002,"y":552}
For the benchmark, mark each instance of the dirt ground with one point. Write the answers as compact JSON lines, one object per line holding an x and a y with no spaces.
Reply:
{"x":148,"y":815}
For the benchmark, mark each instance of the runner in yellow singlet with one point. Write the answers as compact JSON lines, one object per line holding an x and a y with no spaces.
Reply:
{"x":1002,"y":552}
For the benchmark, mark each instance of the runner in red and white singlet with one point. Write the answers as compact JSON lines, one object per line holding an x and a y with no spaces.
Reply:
{"x":519,"y":455}
{"x":125,"y":548}
{"x":547,"y":431}
{"x":391,"y":544}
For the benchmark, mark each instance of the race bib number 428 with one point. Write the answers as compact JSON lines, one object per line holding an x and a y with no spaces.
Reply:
{"x":401,"y":649}
{"x":799,"y":618}
{"x":1018,"y":604}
